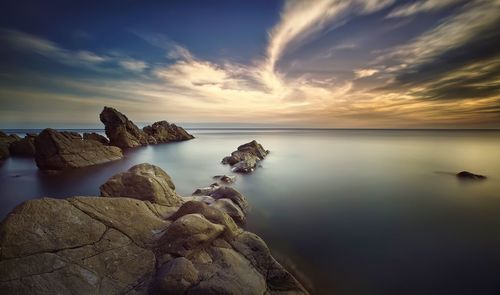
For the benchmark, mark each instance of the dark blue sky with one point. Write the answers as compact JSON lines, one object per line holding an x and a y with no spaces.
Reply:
{"x":324,"y":63}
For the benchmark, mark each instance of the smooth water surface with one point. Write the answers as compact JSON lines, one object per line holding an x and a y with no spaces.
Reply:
{"x":358,"y":211}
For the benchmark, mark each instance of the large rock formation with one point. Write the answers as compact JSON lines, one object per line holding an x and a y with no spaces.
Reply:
{"x":120,"y":130}
{"x":164,"y":132}
{"x":93,"y":245}
{"x":144,"y":182}
{"x":59,"y":150}
{"x":245,"y":158}
{"x":24,"y":147}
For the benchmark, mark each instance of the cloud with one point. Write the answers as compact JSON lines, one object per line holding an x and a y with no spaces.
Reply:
{"x":362,"y":73}
{"x":421,"y":6}
{"x":133,"y":65}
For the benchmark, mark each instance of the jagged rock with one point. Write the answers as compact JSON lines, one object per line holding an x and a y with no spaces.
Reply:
{"x":143,"y":182}
{"x":245,"y":158}
{"x":469,"y":175}
{"x":96,"y":137}
{"x":59,"y":150}
{"x":225,"y":178}
{"x":24,"y":147}
{"x":163,"y":132}
{"x":121,"y":131}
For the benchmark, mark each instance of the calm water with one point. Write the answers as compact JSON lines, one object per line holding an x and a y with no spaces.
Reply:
{"x":360,"y":212}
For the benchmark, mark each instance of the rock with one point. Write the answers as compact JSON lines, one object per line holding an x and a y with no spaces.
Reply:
{"x":96,"y":245}
{"x":176,"y":276}
{"x":188,"y":233}
{"x":96,"y":137}
{"x":470,"y":176}
{"x":24,"y":147}
{"x":59,"y":150}
{"x":144,"y":182}
{"x":121,"y":132}
{"x":232,"y":194}
{"x":229,"y":273}
{"x":4,"y":151}
{"x":225,"y":178}
{"x":163,"y":132}
{"x":245,"y":158}
{"x":231,"y":209}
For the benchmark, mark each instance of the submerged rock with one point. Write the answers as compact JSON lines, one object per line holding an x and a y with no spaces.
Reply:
{"x":91,"y":245}
{"x":469,"y":175}
{"x":144,"y":182}
{"x":59,"y":150}
{"x":245,"y":158}
{"x":24,"y":147}
{"x":121,"y":131}
{"x":163,"y":132}
{"x":96,"y":137}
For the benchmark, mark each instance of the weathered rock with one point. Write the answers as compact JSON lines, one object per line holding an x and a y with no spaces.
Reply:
{"x":188,"y":233}
{"x":5,"y":141}
{"x":232,"y":194}
{"x":144,"y":182}
{"x":212,"y":214}
{"x":96,"y":137}
{"x":470,"y":176}
{"x":24,"y":147}
{"x":95,"y":245}
{"x":176,"y":276}
{"x":163,"y":132}
{"x":121,"y":131}
{"x":245,"y":158}
{"x":225,"y":178}
{"x":59,"y":150}
{"x":4,"y":151}
{"x":231,"y":209}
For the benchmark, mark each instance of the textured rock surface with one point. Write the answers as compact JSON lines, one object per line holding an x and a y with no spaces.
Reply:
{"x":225,"y":178}
{"x":5,"y":141}
{"x":96,"y":137}
{"x":143,"y":182}
{"x":163,"y":132}
{"x":59,"y":150}
{"x":246,"y":157}
{"x":24,"y":147}
{"x":120,"y":130}
{"x":95,"y":245}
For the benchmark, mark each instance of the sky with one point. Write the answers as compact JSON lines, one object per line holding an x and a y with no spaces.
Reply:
{"x":262,"y":63}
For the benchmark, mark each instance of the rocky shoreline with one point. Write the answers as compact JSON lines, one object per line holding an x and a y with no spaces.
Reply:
{"x":138,"y":237}
{"x":54,"y":150}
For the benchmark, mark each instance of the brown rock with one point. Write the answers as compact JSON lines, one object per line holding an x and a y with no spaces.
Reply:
{"x":144,"y":182}
{"x":24,"y":147}
{"x":176,"y":276}
{"x":121,"y":131}
{"x":59,"y":150}
{"x":245,"y":158}
{"x":96,"y":137}
{"x":163,"y":132}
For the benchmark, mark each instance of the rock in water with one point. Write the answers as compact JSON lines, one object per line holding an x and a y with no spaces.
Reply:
{"x":121,"y":132}
{"x":96,"y":137}
{"x":5,"y":142}
{"x":59,"y":150}
{"x":164,"y":132}
{"x":225,"y":178}
{"x":24,"y":147}
{"x":244,"y":160}
{"x":94,"y":245}
{"x":469,"y":175}
{"x":144,"y":182}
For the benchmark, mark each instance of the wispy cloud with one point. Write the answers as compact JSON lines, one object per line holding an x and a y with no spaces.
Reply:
{"x":421,"y":6}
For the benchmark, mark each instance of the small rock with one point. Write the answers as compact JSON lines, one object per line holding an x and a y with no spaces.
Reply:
{"x":246,"y":157}
{"x":225,"y":178}
{"x":162,"y":132}
{"x":24,"y":147}
{"x":469,"y":175}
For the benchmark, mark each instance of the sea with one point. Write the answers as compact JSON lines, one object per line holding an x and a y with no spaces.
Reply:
{"x":355,"y":211}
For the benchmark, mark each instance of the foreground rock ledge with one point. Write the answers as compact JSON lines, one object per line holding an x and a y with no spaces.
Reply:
{"x":60,"y":150}
{"x":116,"y":245}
